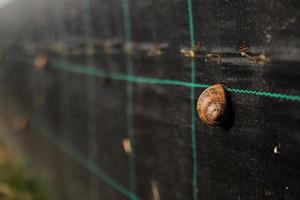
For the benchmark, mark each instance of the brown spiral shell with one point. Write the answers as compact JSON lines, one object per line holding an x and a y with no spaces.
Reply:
{"x":211,"y":104}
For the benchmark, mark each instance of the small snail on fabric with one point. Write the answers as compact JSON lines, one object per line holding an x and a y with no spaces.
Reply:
{"x":211,"y":105}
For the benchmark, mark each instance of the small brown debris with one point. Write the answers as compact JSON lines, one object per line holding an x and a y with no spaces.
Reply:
{"x":128,"y":48}
{"x":277,"y":149}
{"x":154,"y":51}
{"x":41,"y":61}
{"x":127,"y":146}
{"x":191,"y":52}
{"x":286,"y":188}
{"x":244,"y":46}
{"x":89,"y":51}
{"x":187,"y":53}
{"x":155,"y":190}
{"x":58,"y":48}
{"x":151,"y":49}
{"x":213,"y":57}
{"x":260,"y":59}
{"x":268,"y":193}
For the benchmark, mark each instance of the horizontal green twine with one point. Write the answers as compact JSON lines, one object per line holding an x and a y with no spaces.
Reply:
{"x":89,"y":70}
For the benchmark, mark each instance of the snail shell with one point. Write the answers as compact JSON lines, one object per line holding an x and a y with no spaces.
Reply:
{"x":211,"y":104}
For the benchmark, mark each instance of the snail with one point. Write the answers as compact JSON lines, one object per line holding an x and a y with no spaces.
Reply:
{"x":211,"y":105}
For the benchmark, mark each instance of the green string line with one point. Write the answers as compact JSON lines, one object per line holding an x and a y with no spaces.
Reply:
{"x":126,"y":20}
{"x":130,"y":132}
{"x":78,"y":68}
{"x":129,"y":98}
{"x":193,"y":125}
{"x":65,"y":109}
{"x":68,"y":149}
{"x":90,"y":94}
{"x":266,"y":94}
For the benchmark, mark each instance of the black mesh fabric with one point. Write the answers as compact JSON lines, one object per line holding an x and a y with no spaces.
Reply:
{"x":96,"y":94}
